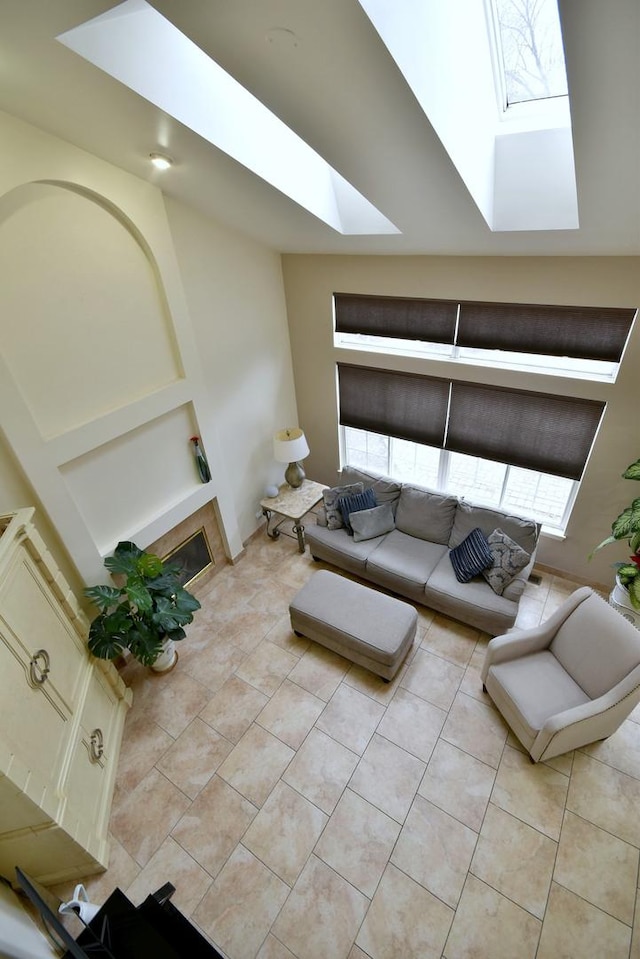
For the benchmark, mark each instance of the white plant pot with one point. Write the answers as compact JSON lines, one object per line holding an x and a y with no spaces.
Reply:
{"x":167,"y":658}
{"x":619,"y":599}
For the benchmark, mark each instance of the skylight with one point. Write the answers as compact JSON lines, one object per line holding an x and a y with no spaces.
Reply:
{"x":143,"y":50}
{"x":532,"y":55}
{"x":517,"y":164}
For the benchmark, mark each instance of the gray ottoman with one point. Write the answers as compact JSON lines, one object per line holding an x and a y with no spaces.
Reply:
{"x":371,"y":629}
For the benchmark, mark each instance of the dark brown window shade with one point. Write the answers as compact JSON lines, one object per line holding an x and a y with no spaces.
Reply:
{"x":578,"y":332}
{"x":590,"y":333}
{"x":433,"y":321}
{"x":552,"y":434}
{"x":537,"y":431}
{"x":396,"y":404}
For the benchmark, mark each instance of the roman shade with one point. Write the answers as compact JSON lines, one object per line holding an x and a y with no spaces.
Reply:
{"x":405,"y":405}
{"x":577,"y":332}
{"x":538,"y":431}
{"x":591,"y":333}
{"x":433,"y":321}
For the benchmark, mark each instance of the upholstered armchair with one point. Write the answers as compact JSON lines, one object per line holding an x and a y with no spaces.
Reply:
{"x":570,"y":681}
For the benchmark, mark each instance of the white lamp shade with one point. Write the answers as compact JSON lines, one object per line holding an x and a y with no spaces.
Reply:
{"x":290,"y":446}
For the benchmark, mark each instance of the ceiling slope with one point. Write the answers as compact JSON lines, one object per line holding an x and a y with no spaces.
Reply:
{"x":323,"y":70}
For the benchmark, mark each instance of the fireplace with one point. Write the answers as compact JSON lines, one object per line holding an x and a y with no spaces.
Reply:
{"x":197,"y":544}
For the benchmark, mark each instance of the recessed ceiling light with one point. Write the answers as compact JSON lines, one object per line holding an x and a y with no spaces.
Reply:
{"x":160,"y":161}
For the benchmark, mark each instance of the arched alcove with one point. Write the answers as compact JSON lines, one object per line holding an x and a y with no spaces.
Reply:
{"x":86,"y":329}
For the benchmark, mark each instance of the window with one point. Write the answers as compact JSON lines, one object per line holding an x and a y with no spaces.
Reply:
{"x":530,"y":42}
{"x":573,"y":341}
{"x":517,"y":449}
{"x":543,"y":497}
{"x":515,"y":158}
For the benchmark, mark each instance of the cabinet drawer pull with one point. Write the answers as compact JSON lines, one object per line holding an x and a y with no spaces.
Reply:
{"x":96,"y":746}
{"x":39,"y":667}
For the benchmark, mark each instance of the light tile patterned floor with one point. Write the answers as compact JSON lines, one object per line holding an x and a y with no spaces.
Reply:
{"x":303,"y":808}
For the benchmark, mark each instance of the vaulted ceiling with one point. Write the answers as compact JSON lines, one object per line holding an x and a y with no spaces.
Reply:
{"x":321,"y":67}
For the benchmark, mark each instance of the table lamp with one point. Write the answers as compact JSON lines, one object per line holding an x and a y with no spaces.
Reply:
{"x":290,"y":446}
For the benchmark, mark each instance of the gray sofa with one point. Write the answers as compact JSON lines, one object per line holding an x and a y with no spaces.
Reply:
{"x":412,"y":559}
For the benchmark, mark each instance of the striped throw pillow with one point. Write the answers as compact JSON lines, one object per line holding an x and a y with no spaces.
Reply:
{"x":471,"y":556}
{"x":351,"y":504}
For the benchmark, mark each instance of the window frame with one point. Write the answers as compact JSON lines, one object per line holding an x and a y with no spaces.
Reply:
{"x":443,"y":486}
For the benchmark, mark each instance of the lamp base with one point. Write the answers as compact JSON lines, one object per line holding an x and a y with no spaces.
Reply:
{"x":294,"y":475}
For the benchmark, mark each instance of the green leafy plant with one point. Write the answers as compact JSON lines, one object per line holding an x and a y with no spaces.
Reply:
{"x":149,"y":606}
{"x":627,"y":526}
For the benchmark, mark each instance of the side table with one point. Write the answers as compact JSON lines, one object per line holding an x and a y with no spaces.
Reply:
{"x":291,"y":504}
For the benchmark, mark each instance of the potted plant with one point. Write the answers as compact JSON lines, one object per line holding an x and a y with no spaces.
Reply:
{"x":627,"y":526}
{"x":146,"y":614}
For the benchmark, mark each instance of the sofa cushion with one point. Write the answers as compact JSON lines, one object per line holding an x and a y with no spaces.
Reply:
{"x":507,"y":560}
{"x":523,"y":531}
{"x":367,"y":523}
{"x":471,"y":557}
{"x":331,"y":497}
{"x":534,"y":687}
{"x":474,"y":602}
{"x":425,"y":514}
{"x":386,"y":489}
{"x":337,"y":547}
{"x":403,"y":563}
{"x":353,"y":503}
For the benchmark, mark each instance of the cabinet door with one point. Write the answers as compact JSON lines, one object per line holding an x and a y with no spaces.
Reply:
{"x":34,"y":616}
{"x":35,"y":726}
{"x":89,"y":785}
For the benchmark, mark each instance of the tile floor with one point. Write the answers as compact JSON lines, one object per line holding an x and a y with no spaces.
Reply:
{"x":304,"y":808}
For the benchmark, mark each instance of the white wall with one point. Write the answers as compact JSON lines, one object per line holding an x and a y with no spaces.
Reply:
{"x":103,"y":377}
{"x":235,"y":294}
{"x":310,"y":282}
{"x":19,"y":937}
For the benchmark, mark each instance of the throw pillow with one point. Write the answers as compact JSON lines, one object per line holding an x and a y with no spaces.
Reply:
{"x":367,"y":523}
{"x":525,"y":532}
{"x":386,"y":489}
{"x":351,"y":504}
{"x":471,"y":556}
{"x":425,"y":515}
{"x":507,"y":560}
{"x":331,"y":496}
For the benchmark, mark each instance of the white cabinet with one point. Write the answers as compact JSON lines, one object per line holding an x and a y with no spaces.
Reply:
{"x":61,"y":718}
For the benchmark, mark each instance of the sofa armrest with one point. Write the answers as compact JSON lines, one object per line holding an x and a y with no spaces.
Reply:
{"x":515,"y":589}
{"x":526,"y":641}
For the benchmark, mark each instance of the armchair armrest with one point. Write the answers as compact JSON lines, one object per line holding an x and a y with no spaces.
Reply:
{"x":526,"y":641}
{"x":514,"y":645}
